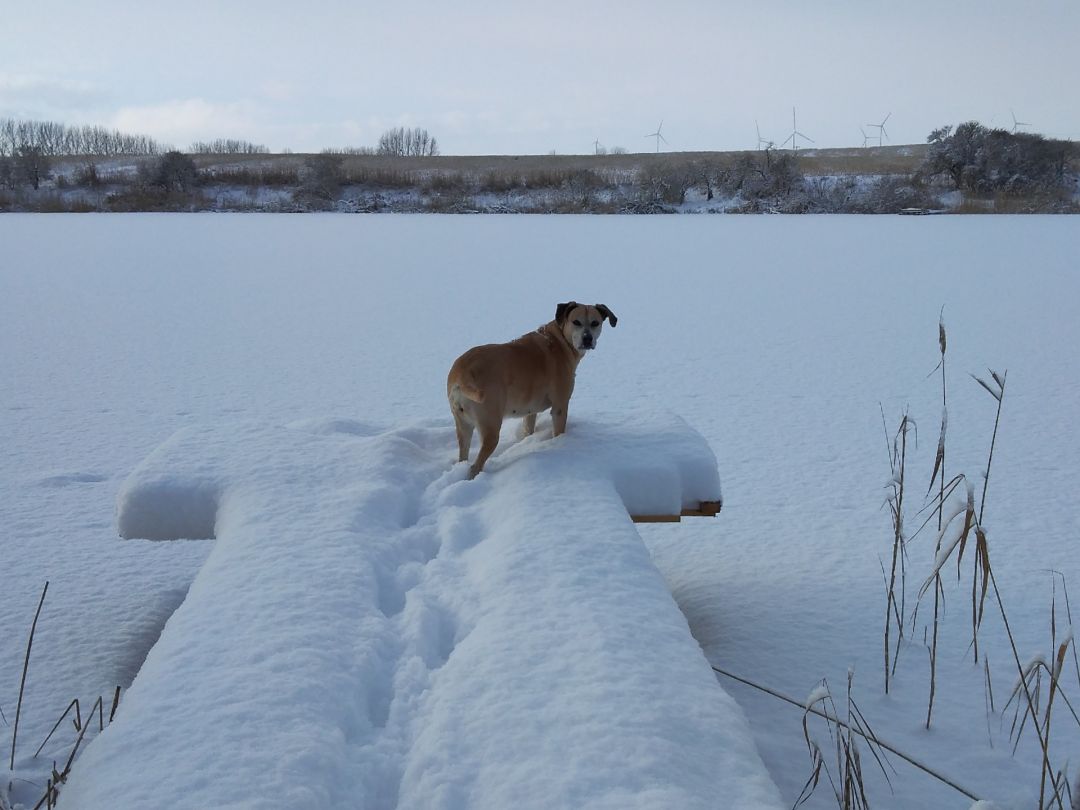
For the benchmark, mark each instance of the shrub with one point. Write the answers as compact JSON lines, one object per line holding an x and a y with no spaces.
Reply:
{"x":270,"y":177}
{"x":984,"y":160}
{"x":497,"y":182}
{"x":891,"y":194}
{"x":455,"y":201}
{"x":172,"y":172}
{"x":87,"y":175}
{"x":669,"y":184}
{"x":448,"y":182}
{"x":153,"y":198}
{"x":321,"y":178}
{"x":382,"y":178}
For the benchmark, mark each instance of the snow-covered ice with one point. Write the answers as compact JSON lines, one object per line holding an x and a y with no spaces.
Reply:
{"x":779,"y":339}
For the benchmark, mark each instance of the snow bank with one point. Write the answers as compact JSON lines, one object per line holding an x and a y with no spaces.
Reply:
{"x":372,"y":630}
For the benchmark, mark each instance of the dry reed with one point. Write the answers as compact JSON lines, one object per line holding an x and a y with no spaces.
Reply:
{"x":871,"y":737}
{"x":26,"y":667}
{"x":845,"y":776}
{"x":48,"y":800}
{"x":895,"y":608}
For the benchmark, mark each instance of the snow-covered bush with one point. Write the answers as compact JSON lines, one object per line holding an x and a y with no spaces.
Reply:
{"x":985,"y":160}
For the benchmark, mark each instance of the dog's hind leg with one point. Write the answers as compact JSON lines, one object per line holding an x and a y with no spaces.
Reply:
{"x":464,"y":433}
{"x":489,"y":440}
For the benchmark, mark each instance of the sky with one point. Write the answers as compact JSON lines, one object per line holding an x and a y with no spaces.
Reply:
{"x":534,"y":78}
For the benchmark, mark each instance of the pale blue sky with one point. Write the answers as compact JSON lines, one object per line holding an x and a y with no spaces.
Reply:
{"x":503,"y":77}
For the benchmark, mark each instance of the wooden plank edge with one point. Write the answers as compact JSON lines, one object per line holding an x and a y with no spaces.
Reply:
{"x":704,"y":509}
{"x":655,"y":518}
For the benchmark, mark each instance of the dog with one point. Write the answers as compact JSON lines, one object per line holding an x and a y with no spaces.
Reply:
{"x":521,"y":378}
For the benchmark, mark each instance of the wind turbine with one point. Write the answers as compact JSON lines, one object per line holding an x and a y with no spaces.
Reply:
{"x":1017,"y":124}
{"x":881,"y":129}
{"x":865,"y":137}
{"x":795,"y":134}
{"x":768,"y":144}
{"x":658,"y":136}
{"x":596,"y":147}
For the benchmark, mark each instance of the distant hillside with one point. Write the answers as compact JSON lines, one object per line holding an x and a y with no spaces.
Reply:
{"x":883,"y":179}
{"x":872,"y":160}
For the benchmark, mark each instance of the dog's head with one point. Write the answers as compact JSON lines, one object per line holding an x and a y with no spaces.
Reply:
{"x":581,"y":323}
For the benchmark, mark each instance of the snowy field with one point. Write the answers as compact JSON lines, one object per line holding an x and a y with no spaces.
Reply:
{"x":779,"y":339}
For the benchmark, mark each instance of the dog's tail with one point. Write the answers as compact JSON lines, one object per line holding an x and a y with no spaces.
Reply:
{"x":468,"y":390}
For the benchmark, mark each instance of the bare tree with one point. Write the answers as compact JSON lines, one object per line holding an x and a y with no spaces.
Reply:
{"x":402,"y":142}
{"x":7,"y":171}
{"x":228,"y":146}
{"x":321,"y":179}
{"x":31,"y":165}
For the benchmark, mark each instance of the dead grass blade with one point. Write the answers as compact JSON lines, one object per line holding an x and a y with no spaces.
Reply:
{"x":26,"y":666}
{"x":995,"y":393}
{"x":939,"y":458}
{"x":817,"y":761}
{"x":52,"y":791}
{"x":999,"y":396}
{"x":988,"y":699}
{"x":77,"y":721}
{"x":944,"y":552}
{"x":1068,"y":614}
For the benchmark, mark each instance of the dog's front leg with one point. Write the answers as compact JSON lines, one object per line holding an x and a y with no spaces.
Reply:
{"x":558,"y":418}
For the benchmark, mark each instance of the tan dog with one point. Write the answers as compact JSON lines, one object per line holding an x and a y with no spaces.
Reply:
{"x":521,"y":378}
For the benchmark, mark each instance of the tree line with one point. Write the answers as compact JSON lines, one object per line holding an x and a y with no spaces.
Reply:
{"x":28,"y":148}
{"x":54,"y":139}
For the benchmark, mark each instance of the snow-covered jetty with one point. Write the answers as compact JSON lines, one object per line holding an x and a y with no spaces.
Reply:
{"x":372,"y":630}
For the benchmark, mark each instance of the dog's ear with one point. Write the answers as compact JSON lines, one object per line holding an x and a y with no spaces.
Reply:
{"x":562,"y":309}
{"x":607,"y":313}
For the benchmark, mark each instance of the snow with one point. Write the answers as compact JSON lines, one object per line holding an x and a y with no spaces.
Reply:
{"x":372,"y":628}
{"x":776,"y":338}
{"x":818,"y":694}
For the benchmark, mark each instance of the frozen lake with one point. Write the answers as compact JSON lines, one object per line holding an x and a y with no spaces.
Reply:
{"x":781,"y":339}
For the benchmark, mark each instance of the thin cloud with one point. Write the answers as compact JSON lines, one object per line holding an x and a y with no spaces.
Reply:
{"x":27,"y":95}
{"x":182,"y":121}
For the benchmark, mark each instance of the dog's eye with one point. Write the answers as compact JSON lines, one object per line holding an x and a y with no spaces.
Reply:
{"x":595,"y":324}
{"x":577,"y":323}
